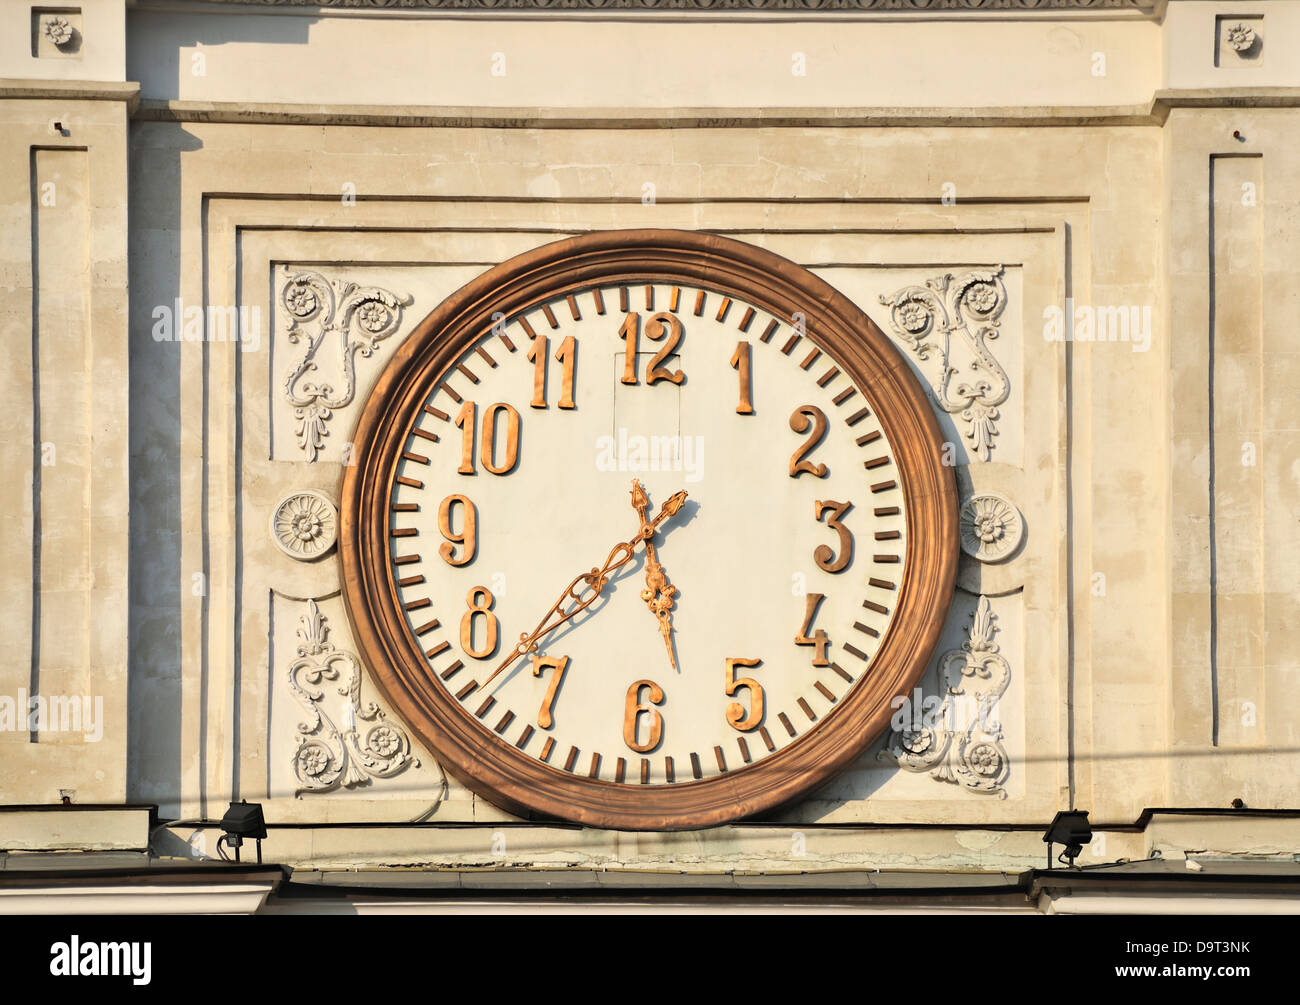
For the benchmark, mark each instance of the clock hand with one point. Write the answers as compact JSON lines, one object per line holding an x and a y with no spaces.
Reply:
{"x":596,"y":580}
{"x":658,"y":593}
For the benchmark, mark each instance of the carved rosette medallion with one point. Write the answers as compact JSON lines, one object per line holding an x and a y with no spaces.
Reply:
{"x":961,"y":742}
{"x":925,"y":319}
{"x":333,"y":317}
{"x":991,"y":527}
{"x":305,"y":525}
{"x":1240,"y":37}
{"x":363,"y":744}
{"x":57,"y":29}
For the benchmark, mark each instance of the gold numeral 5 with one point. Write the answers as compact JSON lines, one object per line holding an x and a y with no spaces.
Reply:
{"x":736,"y":711}
{"x":634,"y":708}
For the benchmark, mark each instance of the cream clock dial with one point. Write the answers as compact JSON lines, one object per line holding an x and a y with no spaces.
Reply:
{"x":641,"y":536}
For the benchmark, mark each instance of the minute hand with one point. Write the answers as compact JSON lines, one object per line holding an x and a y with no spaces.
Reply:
{"x":594,"y":581}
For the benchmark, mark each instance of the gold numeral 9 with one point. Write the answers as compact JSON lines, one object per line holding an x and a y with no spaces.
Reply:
{"x":735,"y":711}
{"x":634,"y":708}
{"x":467,"y":538}
{"x":467,"y":623}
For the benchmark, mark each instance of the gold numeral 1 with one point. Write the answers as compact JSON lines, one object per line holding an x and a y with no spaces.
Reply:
{"x":736,"y":711}
{"x":634,"y":708}
{"x":541,"y":663}
{"x":819,"y":638}
{"x":740,"y":362}
{"x":628,"y":333}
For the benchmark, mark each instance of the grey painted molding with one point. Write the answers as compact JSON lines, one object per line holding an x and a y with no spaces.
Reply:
{"x":799,"y":6}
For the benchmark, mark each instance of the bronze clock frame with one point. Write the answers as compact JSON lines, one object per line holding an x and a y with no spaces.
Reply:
{"x":487,"y":763}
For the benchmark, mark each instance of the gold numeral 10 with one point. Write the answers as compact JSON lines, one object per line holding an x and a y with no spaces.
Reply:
{"x":634,"y":708}
{"x":819,"y":638}
{"x":487,"y":448}
{"x":566,"y":354}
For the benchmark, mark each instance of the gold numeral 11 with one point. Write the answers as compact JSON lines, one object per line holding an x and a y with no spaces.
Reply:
{"x":566,"y":354}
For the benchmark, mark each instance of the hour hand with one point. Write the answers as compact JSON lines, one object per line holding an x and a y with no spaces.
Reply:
{"x":658,"y":594}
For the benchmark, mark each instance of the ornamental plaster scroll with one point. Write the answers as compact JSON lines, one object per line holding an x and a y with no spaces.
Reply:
{"x":961,"y":743}
{"x":811,"y":7}
{"x":970,"y":306}
{"x":364,"y":744}
{"x":332,"y":317}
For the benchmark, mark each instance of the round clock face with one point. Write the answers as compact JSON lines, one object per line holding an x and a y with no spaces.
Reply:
{"x":645,"y":529}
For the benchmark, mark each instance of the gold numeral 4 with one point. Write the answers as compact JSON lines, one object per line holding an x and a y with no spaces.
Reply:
{"x":819,"y":638}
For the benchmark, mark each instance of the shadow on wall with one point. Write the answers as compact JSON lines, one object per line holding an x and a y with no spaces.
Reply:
{"x":162,"y":590}
{"x":167,"y":49}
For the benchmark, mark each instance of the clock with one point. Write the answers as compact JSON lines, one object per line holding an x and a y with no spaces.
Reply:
{"x":645,"y":529}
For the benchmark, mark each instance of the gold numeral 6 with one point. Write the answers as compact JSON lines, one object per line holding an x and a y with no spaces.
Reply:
{"x":634,"y":708}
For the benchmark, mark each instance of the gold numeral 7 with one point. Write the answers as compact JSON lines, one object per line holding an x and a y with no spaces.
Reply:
{"x":541,"y":663}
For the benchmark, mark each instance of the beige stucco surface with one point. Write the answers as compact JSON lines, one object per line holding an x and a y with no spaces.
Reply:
{"x":1149,"y":620}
